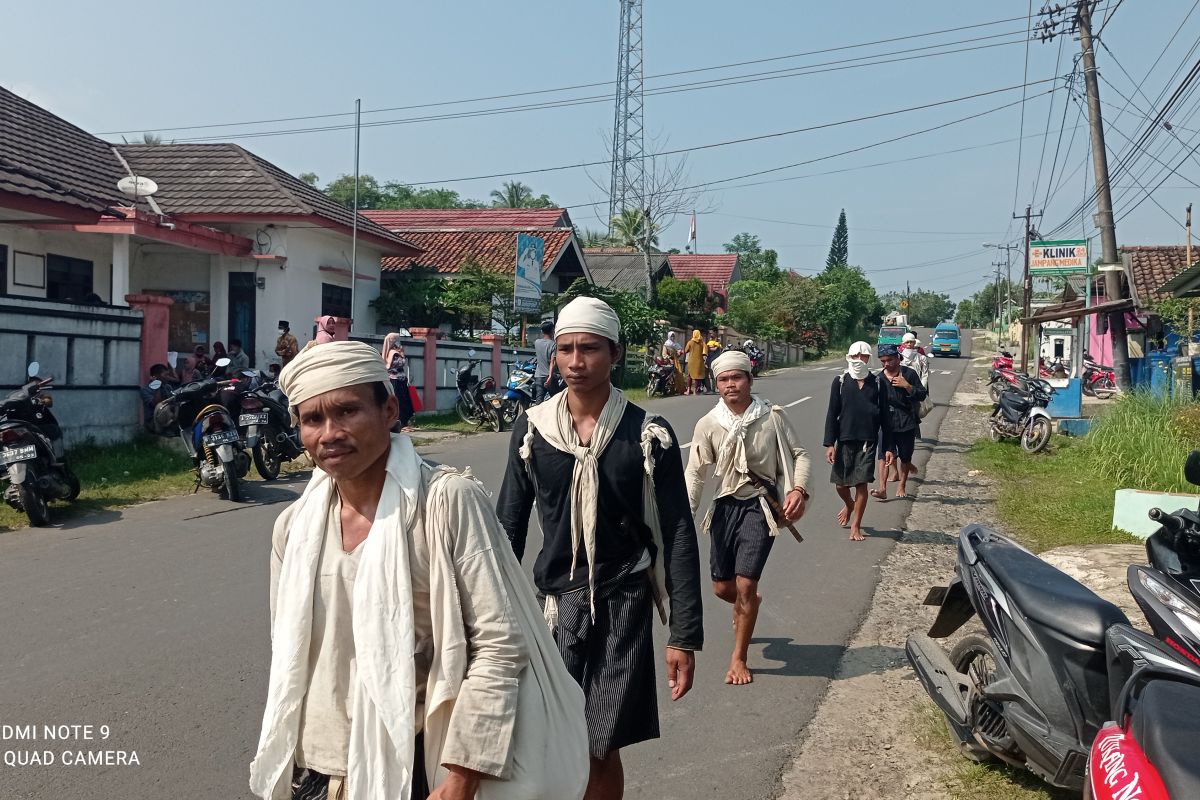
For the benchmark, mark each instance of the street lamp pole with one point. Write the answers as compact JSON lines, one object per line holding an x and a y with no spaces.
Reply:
{"x":1007,"y":248}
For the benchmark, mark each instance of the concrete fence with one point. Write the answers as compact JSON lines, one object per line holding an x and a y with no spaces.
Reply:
{"x":93,"y":353}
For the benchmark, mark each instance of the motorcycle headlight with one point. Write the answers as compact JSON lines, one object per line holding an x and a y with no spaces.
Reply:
{"x":45,"y":400}
{"x":1165,"y":595}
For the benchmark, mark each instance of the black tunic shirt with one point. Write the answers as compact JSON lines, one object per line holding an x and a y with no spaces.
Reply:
{"x":621,"y":533}
{"x":858,"y":414}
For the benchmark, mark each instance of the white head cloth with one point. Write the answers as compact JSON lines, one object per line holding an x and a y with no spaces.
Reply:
{"x":731,"y":359}
{"x":588,"y":315}
{"x":329,"y":366}
{"x":858,"y":369}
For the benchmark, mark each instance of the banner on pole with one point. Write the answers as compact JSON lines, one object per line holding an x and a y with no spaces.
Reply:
{"x":1059,"y":258}
{"x":527,"y":287}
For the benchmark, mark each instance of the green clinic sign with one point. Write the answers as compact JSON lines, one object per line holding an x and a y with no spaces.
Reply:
{"x":1059,"y":258}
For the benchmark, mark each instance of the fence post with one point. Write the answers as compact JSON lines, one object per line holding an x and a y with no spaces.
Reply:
{"x":429,"y":389}
{"x":497,"y":343}
{"x":156,"y":317}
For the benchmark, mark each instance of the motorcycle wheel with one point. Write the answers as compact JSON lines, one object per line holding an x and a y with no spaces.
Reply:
{"x":513,"y":409}
{"x":995,"y":389}
{"x":496,"y":419}
{"x":1036,"y":435}
{"x":73,"y":486}
{"x":994,"y":432}
{"x":233,"y":489}
{"x":465,"y":412}
{"x":1105,"y":388}
{"x":267,"y":459}
{"x":1087,"y":388}
{"x":35,"y":506}
{"x":650,"y":387}
{"x":975,"y":657}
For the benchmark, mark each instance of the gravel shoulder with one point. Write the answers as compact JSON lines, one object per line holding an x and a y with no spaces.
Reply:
{"x":870,"y":737}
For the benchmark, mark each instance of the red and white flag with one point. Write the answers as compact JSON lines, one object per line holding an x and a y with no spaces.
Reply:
{"x":692,"y":230}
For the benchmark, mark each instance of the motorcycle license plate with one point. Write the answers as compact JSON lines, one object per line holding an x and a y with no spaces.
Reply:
{"x":220,"y":437}
{"x":11,"y":455}
{"x":252,"y":419}
{"x":496,"y":402}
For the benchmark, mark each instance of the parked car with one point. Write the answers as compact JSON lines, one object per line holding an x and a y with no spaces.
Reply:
{"x":892,"y":334}
{"x":947,"y":340}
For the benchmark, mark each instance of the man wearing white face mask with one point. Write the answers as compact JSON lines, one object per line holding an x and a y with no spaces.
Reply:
{"x":915,"y":359}
{"x":856,"y":420}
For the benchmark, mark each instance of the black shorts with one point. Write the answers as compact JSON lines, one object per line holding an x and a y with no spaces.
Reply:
{"x":612,"y":658}
{"x":739,"y":539}
{"x":905,"y":443}
{"x":853,"y":464}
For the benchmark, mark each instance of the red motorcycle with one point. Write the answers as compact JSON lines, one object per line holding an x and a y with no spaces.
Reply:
{"x":1099,"y":380}
{"x":1004,"y":360}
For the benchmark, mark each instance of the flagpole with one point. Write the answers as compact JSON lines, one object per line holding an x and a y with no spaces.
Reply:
{"x":354,"y":222}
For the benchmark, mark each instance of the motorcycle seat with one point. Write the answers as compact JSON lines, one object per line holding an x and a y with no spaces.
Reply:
{"x":1014,"y":404}
{"x":1165,"y":725}
{"x":1048,"y":596}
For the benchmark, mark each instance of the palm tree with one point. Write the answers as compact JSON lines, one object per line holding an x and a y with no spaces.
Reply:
{"x":513,"y":194}
{"x":629,"y":230}
{"x":592,"y":238}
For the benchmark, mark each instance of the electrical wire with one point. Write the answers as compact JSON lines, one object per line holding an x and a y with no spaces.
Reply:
{"x":1024,"y":82}
{"x":592,"y":85}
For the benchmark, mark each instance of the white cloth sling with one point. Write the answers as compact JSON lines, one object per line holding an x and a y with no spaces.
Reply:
{"x":549,"y":751}
{"x":552,"y":419}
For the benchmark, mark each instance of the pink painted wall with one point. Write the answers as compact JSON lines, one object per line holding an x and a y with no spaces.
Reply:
{"x":156,"y":318}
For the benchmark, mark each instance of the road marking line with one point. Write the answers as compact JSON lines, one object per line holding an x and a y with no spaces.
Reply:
{"x":947,"y":372}
{"x":798,"y":402}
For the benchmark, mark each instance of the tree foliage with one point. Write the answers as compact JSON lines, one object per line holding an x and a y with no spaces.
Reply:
{"x":639,"y":323}
{"x":848,"y":308}
{"x":926,"y":308}
{"x":839,"y":249}
{"x":755,"y":263}
{"x":412,"y":299}
{"x":629,"y":229}
{"x":391,"y":195}
{"x":686,"y":303}
{"x":473,"y":295}
{"x":514,"y":194}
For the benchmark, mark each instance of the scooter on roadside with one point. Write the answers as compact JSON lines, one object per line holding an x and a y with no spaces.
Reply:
{"x":32,"y":451}
{"x":518,"y":394}
{"x":208,"y":431}
{"x":477,"y":402}
{"x":266,"y":424}
{"x":661,"y":378}
{"x":1035,"y":691}
{"x":1099,"y":381}
{"x":1021,"y":414}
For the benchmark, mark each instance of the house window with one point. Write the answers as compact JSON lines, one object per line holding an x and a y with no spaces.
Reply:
{"x":68,"y":279}
{"x":335,"y":300}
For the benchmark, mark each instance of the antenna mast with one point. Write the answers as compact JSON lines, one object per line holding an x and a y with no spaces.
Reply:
{"x":628,"y":151}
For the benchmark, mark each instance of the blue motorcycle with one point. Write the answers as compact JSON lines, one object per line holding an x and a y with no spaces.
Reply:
{"x":518,"y":394}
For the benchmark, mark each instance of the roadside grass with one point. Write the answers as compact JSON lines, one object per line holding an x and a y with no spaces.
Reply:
{"x":967,"y":780}
{"x":1065,"y":496}
{"x":113,"y":476}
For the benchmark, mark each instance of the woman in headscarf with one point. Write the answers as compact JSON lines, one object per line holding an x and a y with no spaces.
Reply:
{"x":670,"y":352}
{"x":219,"y":351}
{"x":697,"y":365}
{"x":325,"y":330}
{"x":397,"y":367}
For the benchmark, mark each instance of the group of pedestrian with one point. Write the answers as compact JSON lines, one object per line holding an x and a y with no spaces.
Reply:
{"x":693,"y":361}
{"x":410,"y":656}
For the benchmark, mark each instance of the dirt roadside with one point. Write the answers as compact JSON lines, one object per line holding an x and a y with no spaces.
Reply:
{"x":864,"y":741}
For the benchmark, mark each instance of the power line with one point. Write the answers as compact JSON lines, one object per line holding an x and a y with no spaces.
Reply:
{"x":856,"y":227}
{"x":592,"y":85}
{"x":1024,"y":82}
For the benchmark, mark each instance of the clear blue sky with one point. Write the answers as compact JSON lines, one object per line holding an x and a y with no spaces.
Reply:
{"x":145,"y":67}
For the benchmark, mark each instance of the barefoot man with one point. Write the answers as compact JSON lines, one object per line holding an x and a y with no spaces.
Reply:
{"x":618,"y":539}
{"x":905,"y":392}
{"x":856,"y":422}
{"x":756,"y":455}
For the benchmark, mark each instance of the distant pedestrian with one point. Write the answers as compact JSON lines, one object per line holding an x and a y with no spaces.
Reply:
{"x":713,"y":345}
{"x":761,"y":469}
{"x":219,"y":351}
{"x":697,"y":367}
{"x":397,"y":367}
{"x":326,"y":330}
{"x":856,"y":424}
{"x":904,"y":391}
{"x":286,"y":347}
{"x":543,"y":373}
{"x":238,"y":360}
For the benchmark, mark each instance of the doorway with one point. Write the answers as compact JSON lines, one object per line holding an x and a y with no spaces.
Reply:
{"x":242,"y":316}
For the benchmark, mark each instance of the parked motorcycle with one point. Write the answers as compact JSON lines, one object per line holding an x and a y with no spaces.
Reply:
{"x":518,"y":394}
{"x":1021,"y":414}
{"x":208,"y":431}
{"x":1000,"y":379}
{"x":1035,"y":691}
{"x":32,"y":451}
{"x":266,"y":424}
{"x":1098,"y":380}
{"x":661,"y":378}
{"x":477,"y":402}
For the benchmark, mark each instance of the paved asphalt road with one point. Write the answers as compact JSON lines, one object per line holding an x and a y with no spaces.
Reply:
{"x":153,"y":621}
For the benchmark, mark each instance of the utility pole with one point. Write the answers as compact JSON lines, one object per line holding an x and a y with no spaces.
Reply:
{"x":998,"y":265}
{"x":1027,"y":285}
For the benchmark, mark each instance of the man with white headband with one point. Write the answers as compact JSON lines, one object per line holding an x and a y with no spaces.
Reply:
{"x":408,"y":654}
{"x":760,"y":467}
{"x":617,"y":538}
{"x":856,"y":421}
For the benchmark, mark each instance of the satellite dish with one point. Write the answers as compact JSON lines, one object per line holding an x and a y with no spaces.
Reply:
{"x":137,"y":186}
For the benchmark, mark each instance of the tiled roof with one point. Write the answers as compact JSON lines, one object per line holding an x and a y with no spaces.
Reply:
{"x":459,"y":219}
{"x":623,"y":269}
{"x":715,"y":271}
{"x":445,"y":251}
{"x":1152,"y":266}
{"x":205,"y":179}
{"x":47,"y":158}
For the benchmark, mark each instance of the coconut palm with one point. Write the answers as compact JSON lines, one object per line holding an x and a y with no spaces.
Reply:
{"x":592,"y":238}
{"x":629,"y":230}
{"x":513,"y":194}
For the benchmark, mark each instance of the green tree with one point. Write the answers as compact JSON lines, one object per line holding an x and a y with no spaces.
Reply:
{"x":849,"y":307}
{"x":514,"y":194}
{"x":370,"y":194}
{"x":309,"y":177}
{"x":755,"y":263}
{"x":839,"y":249}
{"x":413,"y":298}
{"x":473,"y":293}
{"x":925,"y":308}
{"x":639,"y":322}
{"x":686,"y":303}
{"x":629,"y":230}
{"x":967,"y":314}
{"x":401,"y":195}
{"x":591,"y":238}
{"x":750,"y":309}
